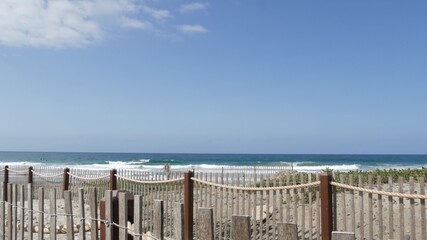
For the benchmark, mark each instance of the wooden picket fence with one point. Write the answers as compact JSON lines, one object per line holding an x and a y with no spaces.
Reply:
{"x":316,"y":204}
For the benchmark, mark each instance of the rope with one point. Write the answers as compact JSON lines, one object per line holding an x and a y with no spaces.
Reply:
{"x":367,"y":190}
{"x":46,"y":176}
{"x":17,"y":171}
{"x":86,"y":178}
{"x":132,"y":232}
{"x":150,"y":182}
{"x":256,"y":188}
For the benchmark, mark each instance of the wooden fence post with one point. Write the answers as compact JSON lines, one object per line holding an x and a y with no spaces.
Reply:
{"x":240,"y":228}
{"x":30,"y":175}
{"x":326,"y":205}
{"x":343,"y":236}
{"x":66,"y":181}
{"x":113,"y":179}
{"x":287,"y":231}
{"x":206,"y":224}
{"x":188,"y":205}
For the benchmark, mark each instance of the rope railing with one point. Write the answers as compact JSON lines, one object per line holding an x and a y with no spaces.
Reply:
{"x":256,"y":188}
{"x":149,"y":182}
{"x":17,"y":171}
{"x":374,"y":191}
{"x":46,"y":176}
{"x":87,"y":178}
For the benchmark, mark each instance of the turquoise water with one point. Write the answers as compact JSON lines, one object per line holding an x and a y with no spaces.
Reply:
{"x":148,"y":161}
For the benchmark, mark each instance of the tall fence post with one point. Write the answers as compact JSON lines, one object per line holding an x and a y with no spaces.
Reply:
{"x":5,"y":181}
{"x":66,"y":181}
{"x":30,"y":175}
{"x":113,"y":179}
{"x":188,"y":205}
{"x":326,"y":205}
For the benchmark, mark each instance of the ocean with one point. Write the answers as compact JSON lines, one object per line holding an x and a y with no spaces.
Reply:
{"x":181,"y":161}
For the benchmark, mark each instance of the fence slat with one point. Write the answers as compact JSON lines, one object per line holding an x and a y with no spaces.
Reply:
{"x":21,"y":212}
{"x":412,"y":202}
{"x":52,"y":211}
{"x":205,"y":219}
{"x":15,"y":210}
{"x":93,"y":206}
{"x":343,"y":206}
{"x":287,"y":231}
{"x":137,"y":216}
{"x":9,"y":232}
{"x":422,"y":208}
{"x":40,"y":233}
{"x":390,"y":210}
{"x":361,"y":211}
{"x":380,"y":208}
{"x":158,"y":219}
{"x":69,"y":211}
{"x":370,"y":209}
{"x":109,"y":215}
{"x":401,"y":211}
{"x":123,"y":215}
{"x":30,"y":210}
{"x":2,"y":211}
{"x":240,"y":227}
{"x":82,"y":232}
{"x":178,"y":221}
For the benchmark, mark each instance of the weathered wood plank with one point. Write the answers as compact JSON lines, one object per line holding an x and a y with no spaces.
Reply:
{"x":158,"y":219}
{"x":123,"y":215}
{"x":108,"y":215}
{"x":137,"y":216}
{"x":422,"y":208}
{"x":82,"y":232}
{"x":15,"y":210}
{"x":205,"y":219}
{"x":361,"y":211}
{"x":412,"y":206}
{"x":380,"y":208}
{"x":21,"y":211}
{"x":40,"y":233}
{"x":343,"y":236}
{"x":287,"y":231}
{"x":93,"y":206}
{"x":352,"y":206}
{"x":178,"y":221}
{"x":69,"y":211}
{"x":2,"y":211}
{"x":240,"y":228}
{"x":390,"y":210}
{"x":52,"y":211}
{"x":401,"y":211}
{"x":343,"y":206}
{"x":9,"y":231}
{"x":30,"y":211}
{"x":370,"y":209}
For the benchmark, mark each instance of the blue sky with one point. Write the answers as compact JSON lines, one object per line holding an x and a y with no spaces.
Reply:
{"x":217,"y":76}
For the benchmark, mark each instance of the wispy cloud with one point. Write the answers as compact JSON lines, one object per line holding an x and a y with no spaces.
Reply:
{"x":158,"y":14}
{"x":191,"y":29}
{"x":192,"y":7}
{"x":77,"y":23}
{"x":136,"y":24}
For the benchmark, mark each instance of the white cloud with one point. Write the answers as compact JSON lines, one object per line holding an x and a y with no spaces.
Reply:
{"x":77,"y":23}
{"x":62,"y":23}
{"x":192,"y":7}
{"x":190,"y":29}
{"x":158,"y":14}
{"x":135,"y":23}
